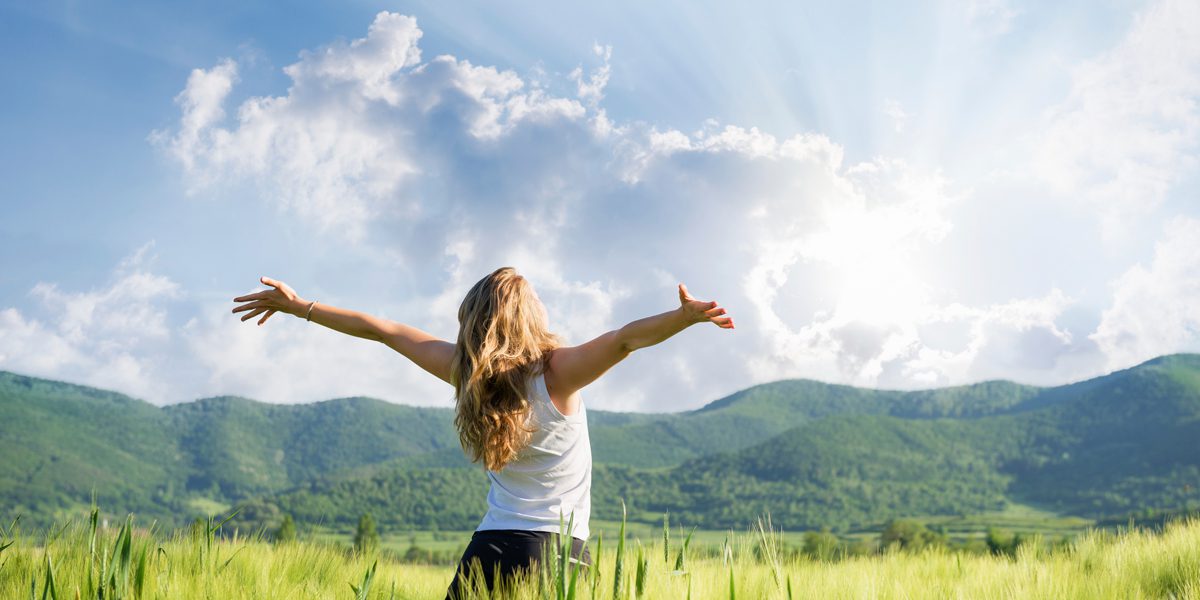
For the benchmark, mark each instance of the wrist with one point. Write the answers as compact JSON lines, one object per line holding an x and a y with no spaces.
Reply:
{"x":299,"y":307}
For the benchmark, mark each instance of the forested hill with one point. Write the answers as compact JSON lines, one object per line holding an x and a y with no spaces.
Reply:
{"x":810,"y":452}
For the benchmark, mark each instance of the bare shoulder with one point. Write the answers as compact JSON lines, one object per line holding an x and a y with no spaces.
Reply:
{"x":565,"y":399}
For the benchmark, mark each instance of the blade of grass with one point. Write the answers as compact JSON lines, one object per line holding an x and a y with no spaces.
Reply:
{"x":679,"y":560}
{"x":732,"y":591}
{"x":596,"y":564}
{"x":91,"y":579}
{"x":139,"y":574}
{"x":49,"y":586}
{"x":12,"y":528}
{"x":619,"y":568}
{"x":362,"y":591}
{"x":639,"y":580}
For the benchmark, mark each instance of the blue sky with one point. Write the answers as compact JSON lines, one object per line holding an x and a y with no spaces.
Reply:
{"x":881,"y":195}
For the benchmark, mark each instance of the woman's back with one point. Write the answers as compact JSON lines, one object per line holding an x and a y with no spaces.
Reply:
{"x":552,"y":476}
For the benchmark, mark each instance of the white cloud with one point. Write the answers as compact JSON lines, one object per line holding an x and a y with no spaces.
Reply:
{"x":201,"y":102}
{"x":367,"y":64}
{"x":454,"y":169}
{"x":119,"y":337}
{"x":1155,"y":309}
{"x":591,"y":90}
{"x":1130,"y":127}
{"x":344,"y":148}
{"x":289,"y":360}
{"x":114,"y":337}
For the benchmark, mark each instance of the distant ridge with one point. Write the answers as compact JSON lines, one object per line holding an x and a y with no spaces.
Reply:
{"x":1183,"y":358}
{"x":813,"y":453}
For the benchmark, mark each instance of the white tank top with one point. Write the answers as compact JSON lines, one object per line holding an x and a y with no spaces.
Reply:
{"x":549,"y":477}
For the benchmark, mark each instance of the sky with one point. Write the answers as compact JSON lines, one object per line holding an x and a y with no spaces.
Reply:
{"x":885,"y":196}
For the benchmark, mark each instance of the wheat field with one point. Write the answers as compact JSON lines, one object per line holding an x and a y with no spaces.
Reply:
{"x":81,"y":559}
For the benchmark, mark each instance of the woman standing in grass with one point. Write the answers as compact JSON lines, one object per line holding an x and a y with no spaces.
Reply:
{"x":518,"y":408}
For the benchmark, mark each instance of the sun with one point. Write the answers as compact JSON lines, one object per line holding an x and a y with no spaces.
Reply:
{"x":876,"y":275}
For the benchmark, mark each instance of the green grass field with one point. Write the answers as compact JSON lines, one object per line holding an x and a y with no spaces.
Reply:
{"x":80,"y":559}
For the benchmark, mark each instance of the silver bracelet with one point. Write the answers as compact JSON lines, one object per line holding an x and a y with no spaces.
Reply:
{"x":312,"y":304}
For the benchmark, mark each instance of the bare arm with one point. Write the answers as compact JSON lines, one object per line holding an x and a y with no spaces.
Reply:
{"x":572,"y":368}
{"x":427,"y":351}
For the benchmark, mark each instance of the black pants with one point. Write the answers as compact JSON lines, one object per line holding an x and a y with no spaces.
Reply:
{"x":509,"y":550}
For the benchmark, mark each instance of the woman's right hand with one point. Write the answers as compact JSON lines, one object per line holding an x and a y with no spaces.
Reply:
{"x":698,"y":311}
{"x":280,"y":299}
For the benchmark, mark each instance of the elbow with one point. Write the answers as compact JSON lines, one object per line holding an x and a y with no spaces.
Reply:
{"x":625,"y":344}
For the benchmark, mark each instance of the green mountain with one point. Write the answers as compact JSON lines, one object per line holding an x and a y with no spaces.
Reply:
{"x":58,"y":441}
{"x":234,"y":447}
{"x":762,"y":411}
{"x":811,"y":453}
{"x":1111,"y":445}
{"x":1106,"y":446}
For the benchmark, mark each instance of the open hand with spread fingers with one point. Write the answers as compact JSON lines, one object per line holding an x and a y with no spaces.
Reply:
{"x":281,"y":298}
{"x":699,"y":311}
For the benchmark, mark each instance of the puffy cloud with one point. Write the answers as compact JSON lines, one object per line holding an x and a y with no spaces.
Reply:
{"x":120,"y":337}
{"x":1129,"y":128}
{"x":288,"y":360}
{"x":455,"y":169}
{"x":115,"y":337}
{"x":591,"y":90}
{"x":1154,"y":309}
{"x":367,"y":64}
{"x":201,"y":102}
{"x":345,"y":147}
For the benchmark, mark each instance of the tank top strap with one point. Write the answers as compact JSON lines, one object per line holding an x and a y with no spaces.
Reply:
{"x":542,"y":393}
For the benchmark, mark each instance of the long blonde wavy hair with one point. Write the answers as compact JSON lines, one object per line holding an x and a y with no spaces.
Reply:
{"x":503,"y":340}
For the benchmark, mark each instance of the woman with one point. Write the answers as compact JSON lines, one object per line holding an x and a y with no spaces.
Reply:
{"x":518,"y":408}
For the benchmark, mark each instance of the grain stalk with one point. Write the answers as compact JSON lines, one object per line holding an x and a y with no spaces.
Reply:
{"x":666,"y":538}
{"x":619,"y":568}
{"x":770,"y":543}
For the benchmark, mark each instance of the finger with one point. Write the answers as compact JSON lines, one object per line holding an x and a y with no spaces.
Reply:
{"x":253,"y":296}
{"x":266,"y":316}
{"x":683,"y":295}
{"x":256,"y":312}
{"x":246,"y":306}
{"x":714,"y":312}
{"x":268,"y":281}
{"x":251,"y":305}
{"x":726,"y":322}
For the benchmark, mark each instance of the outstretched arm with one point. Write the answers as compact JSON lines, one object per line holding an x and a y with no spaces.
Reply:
{"x":427,"y":351}
{"x":572,"y":368}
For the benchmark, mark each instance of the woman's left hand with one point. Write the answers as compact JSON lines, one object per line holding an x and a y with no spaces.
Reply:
{"x":698,"y":311}
{"x":280,"y":299}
